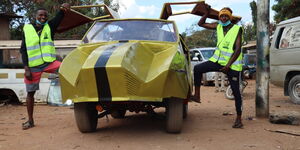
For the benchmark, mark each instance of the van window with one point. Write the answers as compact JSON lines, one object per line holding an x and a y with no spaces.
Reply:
{"x":10,"y":58}
{"x":290,"y":37}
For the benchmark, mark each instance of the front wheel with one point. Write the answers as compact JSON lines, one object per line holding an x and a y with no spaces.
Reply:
{"x":86,"y":116}
{"x":294,"y":89}
{"x":229,"y":93}
{"x":174,"y":112}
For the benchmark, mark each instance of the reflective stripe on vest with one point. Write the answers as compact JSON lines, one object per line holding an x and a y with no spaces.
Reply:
{"x":40,"y":49}
{"x":224,"y":49}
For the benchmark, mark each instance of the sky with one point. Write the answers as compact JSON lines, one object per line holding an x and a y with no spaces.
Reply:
{"x":152,"y":9}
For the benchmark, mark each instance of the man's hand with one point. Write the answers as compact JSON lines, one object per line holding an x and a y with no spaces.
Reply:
{"x":225,"y":69}
{"x":28,"y":75}
{"x":65,"y":7}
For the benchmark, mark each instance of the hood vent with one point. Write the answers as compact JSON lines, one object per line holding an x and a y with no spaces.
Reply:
{"x":132,"y":84}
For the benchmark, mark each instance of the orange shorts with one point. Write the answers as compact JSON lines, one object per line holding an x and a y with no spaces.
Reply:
{"x":36,"y":73}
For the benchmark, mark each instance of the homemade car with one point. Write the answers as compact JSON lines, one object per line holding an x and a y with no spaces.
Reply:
{"x":128,"y":65}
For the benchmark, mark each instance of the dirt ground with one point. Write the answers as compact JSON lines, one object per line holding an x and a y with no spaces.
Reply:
{"x":206,"y":128}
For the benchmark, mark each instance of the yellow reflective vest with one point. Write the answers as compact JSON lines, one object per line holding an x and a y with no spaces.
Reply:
{"x":40,"y":49}
{"x":224,"y":49}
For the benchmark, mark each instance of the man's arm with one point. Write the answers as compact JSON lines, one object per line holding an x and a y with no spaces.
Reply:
{"x":236,"y":54}
{"x":202,"y":21}
{"x":54,"y":23}
{"x":23,"y":51}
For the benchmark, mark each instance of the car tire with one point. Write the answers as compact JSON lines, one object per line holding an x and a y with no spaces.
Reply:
{"x":294,"y":89}
{"x":86,"y":116}
{"x":206,"y":83}
{"x":229,"y":94}
{"x":118,"y":114}
{"x":185,"y":110}
{"x":174,"y":112}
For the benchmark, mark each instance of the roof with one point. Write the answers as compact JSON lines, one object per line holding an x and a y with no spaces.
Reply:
{"x":290,"y":20}
{"x":9,"y":15}
{"x":16,"y":44}
{"x":250,"y":44}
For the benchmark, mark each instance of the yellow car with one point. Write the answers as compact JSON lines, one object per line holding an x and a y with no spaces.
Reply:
{"x":128,"y":65}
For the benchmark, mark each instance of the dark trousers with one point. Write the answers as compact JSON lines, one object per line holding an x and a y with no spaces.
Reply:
{"x":233,"y":77}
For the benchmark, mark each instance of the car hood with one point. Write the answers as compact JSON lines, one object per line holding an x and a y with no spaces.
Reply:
{"x":139,"y":68}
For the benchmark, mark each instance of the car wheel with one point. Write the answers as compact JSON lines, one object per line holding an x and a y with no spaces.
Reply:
{"x":86,"y":117}
{"x":229,"y":93}
{"x":205,"y":83}
{"x":185,"y":110}
{"x":174,"y":111}
{"x":118,"y":114}
{"x":294,"y":89}
{"x":204,"y":80}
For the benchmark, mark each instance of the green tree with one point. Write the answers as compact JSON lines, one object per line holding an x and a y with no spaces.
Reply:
{"x":202,"y":38}
{"x":253,"y":7}
{"x":249,"y":32}
{"x":286,"y":9}
{"x":28,"y":8}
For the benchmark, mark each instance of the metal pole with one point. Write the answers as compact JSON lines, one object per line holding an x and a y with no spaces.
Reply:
{"x":263,"y":40}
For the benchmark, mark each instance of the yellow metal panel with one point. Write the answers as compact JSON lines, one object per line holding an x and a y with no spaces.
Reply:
{"x":77,"y":72}
{"x":136,"y":71}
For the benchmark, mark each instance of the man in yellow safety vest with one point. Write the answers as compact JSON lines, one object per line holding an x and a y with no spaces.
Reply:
{"x":227,"y":57}
{"x":38,"y":53}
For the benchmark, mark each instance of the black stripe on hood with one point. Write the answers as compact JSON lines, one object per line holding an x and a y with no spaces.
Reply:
{"x":103,"y":88}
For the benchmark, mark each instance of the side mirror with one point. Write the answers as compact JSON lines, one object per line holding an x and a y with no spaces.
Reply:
{"x":195,"y":58}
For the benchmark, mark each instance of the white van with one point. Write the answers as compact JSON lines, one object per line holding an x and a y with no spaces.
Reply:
{"x":12,"y":86}
{"x":285,"y":58}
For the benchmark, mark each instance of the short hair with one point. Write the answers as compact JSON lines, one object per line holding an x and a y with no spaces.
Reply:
{"x":227,"y":9}
{"x":41,"y":8}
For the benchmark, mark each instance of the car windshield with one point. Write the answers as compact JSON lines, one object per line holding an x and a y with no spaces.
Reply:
{"x":250,"y":59}
{"x":207,"y":53}
{"x":117,"y":30}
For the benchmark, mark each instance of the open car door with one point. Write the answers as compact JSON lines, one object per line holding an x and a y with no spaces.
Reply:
{"x":74,"y":18}
{"x":197,"y":10}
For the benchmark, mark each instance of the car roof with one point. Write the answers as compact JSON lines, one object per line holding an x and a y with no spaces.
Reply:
{"x":145,"y":19}
{"x":289,"y":21}
{"x":204,"y":48}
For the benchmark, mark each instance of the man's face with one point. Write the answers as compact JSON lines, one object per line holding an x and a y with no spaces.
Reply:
{"x":42,"y":16}
{"x":224,"y":18}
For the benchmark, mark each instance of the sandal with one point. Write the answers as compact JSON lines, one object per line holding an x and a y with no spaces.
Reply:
{"x":237,"y":124}
{"x":28,"y":124}
{"x":195,"y":99}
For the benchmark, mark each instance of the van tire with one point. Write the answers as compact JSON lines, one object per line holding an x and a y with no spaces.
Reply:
{"x":294,"y":89}
{"x":86,"y":116}
{"x":174,"y":112}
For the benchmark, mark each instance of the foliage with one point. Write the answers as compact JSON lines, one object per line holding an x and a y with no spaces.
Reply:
{"x":249,"y":33}
{"x":253,"y":7}
{"x":28,"y":8}
{"x":202,"y":38}
{"x":286,"y":9}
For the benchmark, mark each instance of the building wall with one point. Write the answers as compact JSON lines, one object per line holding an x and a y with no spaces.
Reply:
{"x":4,"y":26}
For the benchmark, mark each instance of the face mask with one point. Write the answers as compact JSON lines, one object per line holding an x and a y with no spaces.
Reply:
{"x":38,"y":22}
{"x":225,"y":24}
